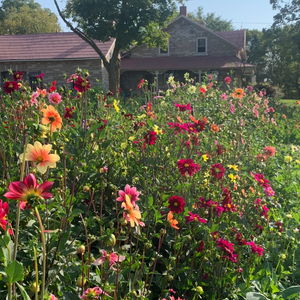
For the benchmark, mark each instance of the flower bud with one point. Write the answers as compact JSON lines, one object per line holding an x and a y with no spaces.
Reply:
{"x":289,"y":216}
{"x":81,"y":249}
{"x":79,"y":281}
{"x":110,"y":240}
{"x":283,"y":256}
{"x":86,"y":188}
{"x":148,"y":245}
{"x":34,"y":288}
{"x":199,"y":290}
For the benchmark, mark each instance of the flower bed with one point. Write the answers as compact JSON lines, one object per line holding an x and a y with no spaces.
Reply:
{"x":191,"y":194}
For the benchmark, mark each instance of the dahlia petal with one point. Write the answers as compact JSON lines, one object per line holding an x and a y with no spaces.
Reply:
{"x":53,"y":157}
{"x":30,"y":181}
{"x":44,"y":187}
{"x":45,"y":121}
{"x":46,"y":195}
{"x":99,"y":261}
{"x":127,"y":189}
{"x":42,"y":168}
{"x":17,"y":187}
{"x":12,"y":195}
{"x":5,"y":207}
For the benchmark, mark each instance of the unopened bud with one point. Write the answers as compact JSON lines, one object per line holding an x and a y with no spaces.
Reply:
{"x":110,"y":240}
{"x":81,"y":249}
{"x":80,"y":281}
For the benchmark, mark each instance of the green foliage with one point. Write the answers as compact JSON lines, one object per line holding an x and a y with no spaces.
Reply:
{"x":213,"y":22}
{"x":25,"y":17}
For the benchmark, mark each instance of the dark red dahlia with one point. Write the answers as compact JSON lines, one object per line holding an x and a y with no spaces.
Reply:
{"x":137,"y":125}
{"x":18,"y":75}
{"x":82,"y":85}
{"x":219,"y":150}
{"x":199,"y":126}
{"x":239,"y":238}
{"x":187,"y":165}
{"x":10,"y":86}
{"x":279,"y":226}
{"x":69,"y":113}
{"x":150,"y":138}
{"x":176,"y":204}
{"x":102,"y":126}
{"x":217,"y":171}
{"x":259,"y":229}
{"x":200,"y":248}
{"x":178,"y":127}
{"x":183,"y":107}
{"x":128,"y":116}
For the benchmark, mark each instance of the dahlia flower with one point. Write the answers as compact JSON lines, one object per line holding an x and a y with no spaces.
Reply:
{"x":52,"y":117}
{"x":176,"y":204}
{"x":112,"y":258}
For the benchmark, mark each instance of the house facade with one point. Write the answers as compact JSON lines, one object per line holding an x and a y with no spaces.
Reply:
{"x":53,"y":54}
{"x":192,"y":48}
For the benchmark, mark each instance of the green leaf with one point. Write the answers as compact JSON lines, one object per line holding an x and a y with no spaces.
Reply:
{"x":23,"y":292}
{"x":255,"y":296}
{"x":291,"y":292}
{"x":14,"y":271}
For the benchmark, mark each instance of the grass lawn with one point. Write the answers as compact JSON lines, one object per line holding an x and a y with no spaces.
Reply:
{"x":289,"y":102}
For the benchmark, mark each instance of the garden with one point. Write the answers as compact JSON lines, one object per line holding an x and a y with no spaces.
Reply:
{"x":189,"y":194}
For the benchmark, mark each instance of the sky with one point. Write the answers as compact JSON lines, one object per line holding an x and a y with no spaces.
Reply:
{"x":244,"y":14}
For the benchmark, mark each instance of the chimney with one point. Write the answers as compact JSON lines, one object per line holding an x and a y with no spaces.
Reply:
{"x":183,"y":11}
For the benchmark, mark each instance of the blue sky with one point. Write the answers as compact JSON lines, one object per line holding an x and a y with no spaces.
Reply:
{"x":254,"y":14}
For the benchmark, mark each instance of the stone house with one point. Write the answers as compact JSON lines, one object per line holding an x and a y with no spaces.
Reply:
{"x":53,"y":54}
{"x":192,"y":48}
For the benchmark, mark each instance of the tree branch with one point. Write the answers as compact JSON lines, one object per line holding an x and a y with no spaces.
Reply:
{"x":83,"y":36}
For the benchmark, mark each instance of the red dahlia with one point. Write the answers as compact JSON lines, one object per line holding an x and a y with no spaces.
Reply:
{"x":187,"y":165}
{"x":217,"y":171}
{"x":82,"y":85}
{"x":10,"y":87}
{"x":150,"y":138}
{"x":176,"y":204}
{"x":69,"y":113}
{"x":18,"y":75}
{"x":260,"y":179}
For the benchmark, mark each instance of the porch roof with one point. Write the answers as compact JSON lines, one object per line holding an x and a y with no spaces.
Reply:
{"x":182,"y":63}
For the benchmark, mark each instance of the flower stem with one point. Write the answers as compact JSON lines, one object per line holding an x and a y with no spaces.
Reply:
{"x":44,"y":252}
{"x":36,"y":275}
{"x":19,"y":208}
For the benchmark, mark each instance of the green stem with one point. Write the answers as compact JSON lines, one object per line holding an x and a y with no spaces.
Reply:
{"x":44,"y":252}
{"x":9,"y":291}
{"x":36,"y":275}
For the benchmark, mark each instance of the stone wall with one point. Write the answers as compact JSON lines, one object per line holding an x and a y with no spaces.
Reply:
{"x":55,"y":69}
{"x":183,"y":41}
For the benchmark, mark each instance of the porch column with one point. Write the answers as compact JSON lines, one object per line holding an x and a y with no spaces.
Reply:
{"x":156,"y":74}
{"x":253,"y":77}
{"x":199,"y":73}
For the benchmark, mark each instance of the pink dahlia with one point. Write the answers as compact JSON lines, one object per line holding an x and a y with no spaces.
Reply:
{"x":256,"y":249}
{"x":187,"y":165}
{"x":183,"y":107}
{"x":194,"y":218}
{"x":270,"y":151}
{"x":28,"y":189}
{"x":261,"y":180}
{"x":112,"y":258}
{"x":92,"y":293}
{"x":3,"y":213}
{"x":269,"y":192}
{"x":132,"y":193}
{"x":54,"y":98}
{"x":227,"y":80}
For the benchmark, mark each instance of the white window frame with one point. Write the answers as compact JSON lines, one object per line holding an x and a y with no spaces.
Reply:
{"x":164,"y":54}
{"x":201,"y":53}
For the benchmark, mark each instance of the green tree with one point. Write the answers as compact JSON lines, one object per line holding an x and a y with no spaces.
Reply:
{"x":289,"y":12}
{"x":213,"y":22}
{"x":25,"y":17}
{"x":128,"y":22}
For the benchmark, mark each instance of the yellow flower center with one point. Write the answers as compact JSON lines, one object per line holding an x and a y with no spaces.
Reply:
{"x":229,"y":206}
{"x":175,"y":204}
{"x":186,"y":165}
{"x":11,"y":86}
{"x":17,"y":76}
{"x":82,"y":83}
{"x":195,"y":218}
{"x":40,"y":158}
{"x":107,"y":257}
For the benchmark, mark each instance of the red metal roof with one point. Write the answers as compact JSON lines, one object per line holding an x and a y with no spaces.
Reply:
{"x":181,"y":63}
{"x":237,"y":37}
{"x":62,"y":45}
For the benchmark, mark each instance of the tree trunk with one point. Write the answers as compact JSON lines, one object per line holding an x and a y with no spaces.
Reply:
{"x":114,"y":74}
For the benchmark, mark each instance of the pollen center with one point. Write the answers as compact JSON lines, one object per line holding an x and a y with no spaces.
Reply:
{"x":186,"y":165}
{"x":11,"y":86}
{"x":82,"y":84}
{"x":40,"y":158}
{"x":175,"y":204}
{"x":51,"y":119}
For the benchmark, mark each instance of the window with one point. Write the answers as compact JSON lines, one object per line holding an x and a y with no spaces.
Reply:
{"x":32,"y":79}
{"x":201,"y":45}
{"x":162,"y":51}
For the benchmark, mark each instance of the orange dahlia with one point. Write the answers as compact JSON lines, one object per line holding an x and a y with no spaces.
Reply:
{"x":52,"y":117}
{"x":40,"y":154}
{"x":238,"y":93}
{"x":214,"y":128}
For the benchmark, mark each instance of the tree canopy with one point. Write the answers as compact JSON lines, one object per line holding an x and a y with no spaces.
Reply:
{"x":25,"y":17}
{"x":289,"y":12}
{"x":128,"y":22}
{"x":213,"y":22}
